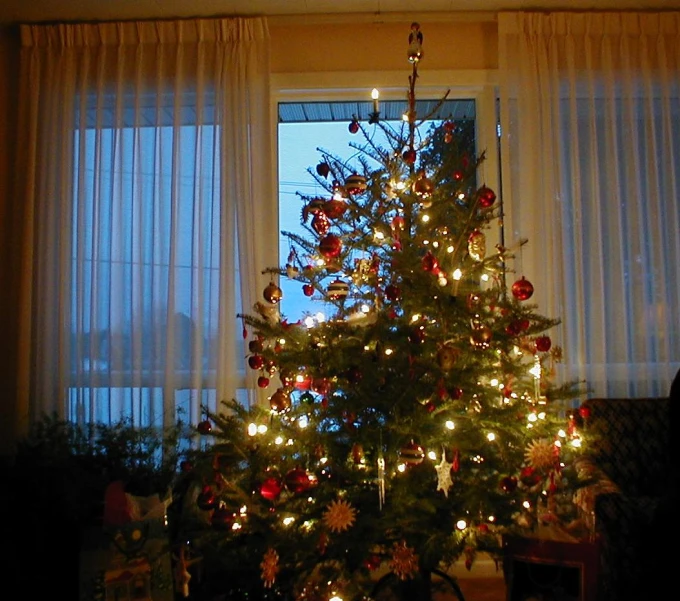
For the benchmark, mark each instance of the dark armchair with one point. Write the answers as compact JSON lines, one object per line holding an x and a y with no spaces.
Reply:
{"x":628,"y":456}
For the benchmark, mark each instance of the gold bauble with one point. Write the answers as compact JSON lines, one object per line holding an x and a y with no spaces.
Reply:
{"x":279,"y":401}
{"x":272,"y":293}
{"x":447,"y":357}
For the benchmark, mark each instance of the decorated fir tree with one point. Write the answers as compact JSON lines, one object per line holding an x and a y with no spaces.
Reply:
{"x":417,"y":422}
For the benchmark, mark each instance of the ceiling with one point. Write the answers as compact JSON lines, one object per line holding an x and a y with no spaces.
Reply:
{"x":23,"y":11}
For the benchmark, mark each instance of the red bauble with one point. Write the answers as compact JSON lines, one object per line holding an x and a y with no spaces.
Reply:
{"x":543,"y":344}
{"x":508,"y":484}
{"x":430,"y":263}
{"x":486,"y":197}
{"x":271,"y":488}
{"x":353,"y":126}
{"x":330,"y":246}
{"x":456,"y":393}
{"x":323,"y":169}
{"x":412,"y":453}
{"x":206,"y":499}
{"x":298,"y":480}
{"x":204,"y":427}
{"x":513,"y":328}
{"x":222,"y":518}
{"x":321,"y":385}
{"x":308,"y":290}
{"x":392,"y":292}
{"x":522,"y":289}
{"x":334,"y":208}
{"x":409,"y":156}
{"x":263,"y":381}
{"x":256,"y":361}
{"x":423,"y":186}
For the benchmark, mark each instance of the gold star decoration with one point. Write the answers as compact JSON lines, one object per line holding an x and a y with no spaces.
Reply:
{"x":444,"y":481}
{"x":269,"y":567}
{"x":540,"y":454}
{"x":404,"y":562}
{"x":339,"y":516}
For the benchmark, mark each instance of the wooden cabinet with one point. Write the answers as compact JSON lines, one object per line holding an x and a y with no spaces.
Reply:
{"x":550,"y":570}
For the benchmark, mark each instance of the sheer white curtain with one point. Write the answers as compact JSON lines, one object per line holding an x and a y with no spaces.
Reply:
{"x":147,"y":151}
{"x":590,"y":116}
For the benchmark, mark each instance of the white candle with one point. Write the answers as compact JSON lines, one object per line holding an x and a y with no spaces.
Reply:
{"x":375,"y":95}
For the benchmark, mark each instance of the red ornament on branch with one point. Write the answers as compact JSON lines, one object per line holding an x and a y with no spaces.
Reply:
{"x":330,"y":246}
{"x":543,"y":344}
{"x":522,"y":289}
{"x":271,"y":488}
{"x":486,"y":197}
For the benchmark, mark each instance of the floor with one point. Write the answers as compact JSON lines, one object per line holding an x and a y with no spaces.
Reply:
{"x":483,"y":589}
{"x":484,"y":582}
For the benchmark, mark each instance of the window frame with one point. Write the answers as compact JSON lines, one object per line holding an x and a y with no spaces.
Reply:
{"x":479,"y":85}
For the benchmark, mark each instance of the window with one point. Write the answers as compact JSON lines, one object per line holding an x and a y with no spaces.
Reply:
{"x":306,"y":129}
{"x":138,"y":155}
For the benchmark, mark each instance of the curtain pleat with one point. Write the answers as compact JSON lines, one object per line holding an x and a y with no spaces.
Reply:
{"x":148,"y":149}
{"x":590,"y":109}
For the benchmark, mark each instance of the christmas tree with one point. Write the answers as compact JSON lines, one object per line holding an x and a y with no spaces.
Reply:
{"x":417,"y":423}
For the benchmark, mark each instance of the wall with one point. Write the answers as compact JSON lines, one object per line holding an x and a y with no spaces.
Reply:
{"x":316,"y":45}
{"x":451,"y":42}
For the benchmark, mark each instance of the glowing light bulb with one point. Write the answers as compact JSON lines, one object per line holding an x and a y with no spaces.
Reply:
{"x":461,"y":524}
{"x":262,"y":428}
{"x":252,"y":429}
{"x":449,"y":424}
{"x":457,"y":274}
{"x":491,"y":437}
